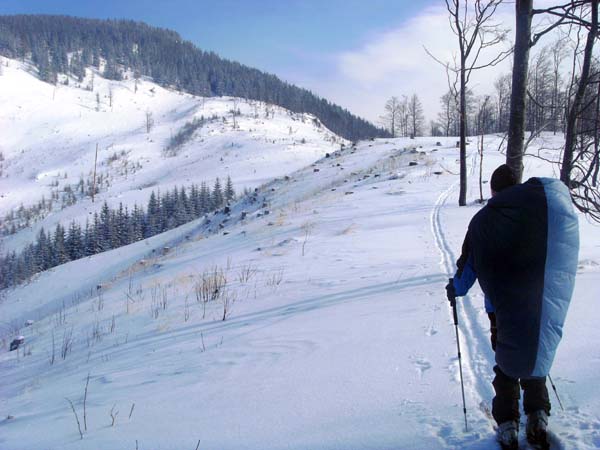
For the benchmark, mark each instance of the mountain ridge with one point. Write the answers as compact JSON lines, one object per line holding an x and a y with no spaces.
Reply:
{"x":67,"y":44}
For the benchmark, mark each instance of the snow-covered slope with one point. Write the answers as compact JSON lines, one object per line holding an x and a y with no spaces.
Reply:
{"x":49,"y":137}
{"x":337,"y":333}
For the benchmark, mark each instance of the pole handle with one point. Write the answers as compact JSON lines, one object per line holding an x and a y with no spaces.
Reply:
{"x":453,"y":303}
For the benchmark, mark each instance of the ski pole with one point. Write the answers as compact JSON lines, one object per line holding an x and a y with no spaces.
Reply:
{"x":462,"y":384}
{"x":555,"y":392}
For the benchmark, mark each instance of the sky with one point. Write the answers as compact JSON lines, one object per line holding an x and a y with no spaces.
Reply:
{"x":357,"y":53}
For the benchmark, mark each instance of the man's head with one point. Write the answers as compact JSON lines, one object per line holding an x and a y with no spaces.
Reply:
{"x":502,"y":178}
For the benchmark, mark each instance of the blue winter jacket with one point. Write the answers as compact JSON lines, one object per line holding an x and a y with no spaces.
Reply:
{"x":523,"y":248}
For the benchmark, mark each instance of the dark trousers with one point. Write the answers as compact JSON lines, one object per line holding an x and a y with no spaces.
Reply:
{"x":505,"y":406}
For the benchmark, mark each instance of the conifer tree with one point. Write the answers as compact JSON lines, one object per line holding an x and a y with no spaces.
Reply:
{"x":96,"y":235}
{"x":120,"y":234}
{"x":181,"y":213}
{"x":60,"y":255}
{"x":137,"y":224}
{"x":105,"y":229}
{"x":205,"y":201}
{"x":217,"y":195}
{"x":89,"y":244}
{"x":74,"y":242}
{"x":152,"y":222}
{"x":229,"y":191}
{"x":194,"y":200}
{"x":42,"y":251}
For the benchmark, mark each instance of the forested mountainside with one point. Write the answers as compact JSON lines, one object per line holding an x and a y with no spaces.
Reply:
{"x":62,"y":44}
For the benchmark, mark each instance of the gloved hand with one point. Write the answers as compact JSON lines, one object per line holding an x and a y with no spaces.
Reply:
{"x":450,"y":292}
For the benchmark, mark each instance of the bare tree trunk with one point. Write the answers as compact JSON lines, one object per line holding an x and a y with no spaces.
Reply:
{"x":557,"y":57}
{"x":516,"y":125}
{"x":595,"y":162}
{"x":481,"y":170}
{"x":462,"y":197}
{"x":94,"y":182}
{"x":481,"y":125}
{"x":570,"y":134}
{"x":472,"y":24}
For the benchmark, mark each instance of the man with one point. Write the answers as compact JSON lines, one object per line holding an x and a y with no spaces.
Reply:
{"x":523,"y":248}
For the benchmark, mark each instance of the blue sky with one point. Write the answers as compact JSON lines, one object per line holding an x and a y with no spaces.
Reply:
{"x":340,"y":49}
{"x":267,"y":34}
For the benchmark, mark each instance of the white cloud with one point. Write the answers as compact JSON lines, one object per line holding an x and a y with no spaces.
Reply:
{"x":394,"y":62}
{"x":398,"y":51}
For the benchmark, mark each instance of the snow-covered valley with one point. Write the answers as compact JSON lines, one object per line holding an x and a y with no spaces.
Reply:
{"x":328,"y":326}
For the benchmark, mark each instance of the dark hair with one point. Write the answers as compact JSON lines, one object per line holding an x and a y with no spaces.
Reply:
{"x":502,"y":178}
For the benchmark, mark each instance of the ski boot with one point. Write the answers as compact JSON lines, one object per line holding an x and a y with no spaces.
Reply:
{"x":508,"y":435}
{"x":537,"y":424}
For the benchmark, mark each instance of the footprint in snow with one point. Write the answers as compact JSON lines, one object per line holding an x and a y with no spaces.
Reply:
{"x":430,"y":331}
{"x":588,"y":265}
{"x":454,"y":437}
{"x":421,"y":364}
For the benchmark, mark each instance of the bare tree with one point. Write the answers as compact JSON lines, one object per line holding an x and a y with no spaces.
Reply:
{"x":391,"y":117}
{"x":580,"y":163}
{"x":113,"y":415}
{"x":448,"y":115}
{"x":307,"y":229}
{"x":524,"y":40}
{"x":94,"y":179}
{"x":558,"y":50}
{"x":415,"y":114}
{"x":87,"y":382}
{"x":577,"y":104}
{"x":585,"y":165}
{"x":502,"y":88}
{"x":483,"y":120}
{"x":539,"y":92}
{"x":581,"y":158}
{"x":76,"y":417}
{"x":404,"y":116}
{"x":476,"y":32}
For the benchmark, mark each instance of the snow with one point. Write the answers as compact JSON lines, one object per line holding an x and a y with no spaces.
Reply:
{"x":54,"y":131}
{"x":340,"y":335}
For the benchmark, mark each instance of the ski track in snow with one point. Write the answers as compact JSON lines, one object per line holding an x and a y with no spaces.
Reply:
{"x":477,"y":366}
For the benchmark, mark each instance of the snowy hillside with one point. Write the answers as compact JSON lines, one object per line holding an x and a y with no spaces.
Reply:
{"x":50,"y":134}
{"x":337,"y":333}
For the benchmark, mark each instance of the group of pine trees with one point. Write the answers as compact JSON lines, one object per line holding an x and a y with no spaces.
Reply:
{"x":113,"y":228}
{"x":61,"y":44}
